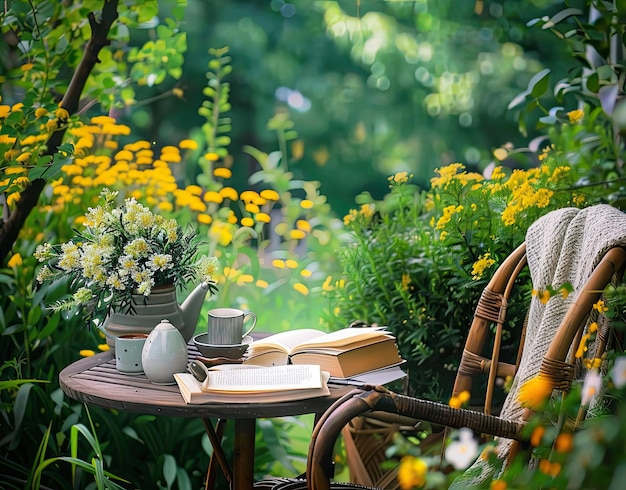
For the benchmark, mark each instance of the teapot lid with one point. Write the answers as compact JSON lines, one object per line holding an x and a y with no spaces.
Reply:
{"x":165,"y":325}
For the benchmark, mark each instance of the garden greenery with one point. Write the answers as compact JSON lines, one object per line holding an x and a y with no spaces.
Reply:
{"x":414,"y":260}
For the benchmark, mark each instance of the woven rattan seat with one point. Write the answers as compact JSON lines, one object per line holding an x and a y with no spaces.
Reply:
{"x":590,"y":246}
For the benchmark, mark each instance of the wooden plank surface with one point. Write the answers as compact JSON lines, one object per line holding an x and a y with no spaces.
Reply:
{"x":96,"y":381}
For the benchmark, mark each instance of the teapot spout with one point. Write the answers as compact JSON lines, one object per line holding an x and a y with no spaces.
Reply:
{"x":191,"y":308}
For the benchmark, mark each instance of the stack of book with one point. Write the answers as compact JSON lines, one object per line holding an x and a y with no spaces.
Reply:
{"x":344,"y":354}
{"x":299,"y":364}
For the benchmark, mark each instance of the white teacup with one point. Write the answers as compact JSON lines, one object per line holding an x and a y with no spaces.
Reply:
{"x":128,"y":353}
{"x":226,"y":326}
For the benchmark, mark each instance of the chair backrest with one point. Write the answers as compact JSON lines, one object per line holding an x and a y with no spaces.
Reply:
{"x":580,"y":249}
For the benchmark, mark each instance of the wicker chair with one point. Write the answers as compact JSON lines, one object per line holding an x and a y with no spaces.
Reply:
{"x":601,"y":256}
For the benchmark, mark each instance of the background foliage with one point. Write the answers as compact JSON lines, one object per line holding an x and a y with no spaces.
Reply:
{"x":218,"y":106}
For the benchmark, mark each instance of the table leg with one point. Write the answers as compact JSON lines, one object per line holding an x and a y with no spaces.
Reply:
{"x":243,"y":464}
{"x":215,"y":436}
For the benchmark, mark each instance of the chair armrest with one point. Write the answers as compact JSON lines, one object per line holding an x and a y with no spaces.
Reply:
{"x":378,"y":398}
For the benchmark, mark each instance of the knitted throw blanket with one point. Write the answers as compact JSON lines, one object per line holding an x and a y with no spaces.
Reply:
{"x":564,"y":246}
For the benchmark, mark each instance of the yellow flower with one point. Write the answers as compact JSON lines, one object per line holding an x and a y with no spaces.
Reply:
{"x":303,"y":225}
{"x":262,"y":217}
{"x":549,"y":468}
{"x":537,"y":435}
{"x":26,"y":67}
{"x":459,"y":400}
{"x":534,"y":392}
{"x":270,"y":195}
{"x":582,"y":346}
{"x":297,"y":234}
{"x":62,"y":114}
{"x":247,"y":221}
{"x":278,"y":263}
{"x":104,"y":347}
{"x":544,"y":297}
{"x":15,"y":260}
{"x":291,"y":264}
{"x":13,"y":198}
{"x":24,"y":157}
{"x":575,"y":116}
{"x":564,"y":442}
{"x":205,"y":219}
{"x":593,"y":327}
{"x":188,"y":144}
{"x":229,"y":193}
{"x":252,"y":208}
{"x":212,"y":157}
{"x":412,"y":472}
{"x":40,"y":112}
{"x":178,"y":92}
{"x":446,"y":175}
{"x":350,"y":217}
{"x":600,"y":307}
{"x":223,"y":172}
{"x":483,"y":263}
{"x":87,"y":353}
{"x":212,"y":196}
{"x":406,"y":280}
{"x":260,"y":283}
{"x":399,"y":178}
{"x":498,"y":485}
{"x":301,"y":288}
{"x":594,"y":363}
{"x":306,"y":273}
{"x":306,"y":204}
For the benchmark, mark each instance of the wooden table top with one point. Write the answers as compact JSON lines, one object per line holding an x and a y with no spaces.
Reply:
{"x":96,"y":381}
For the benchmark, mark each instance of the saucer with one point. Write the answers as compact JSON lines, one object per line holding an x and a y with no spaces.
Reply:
{"x":234,"y":351}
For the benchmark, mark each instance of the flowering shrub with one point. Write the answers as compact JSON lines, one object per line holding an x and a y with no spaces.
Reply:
{"x":123,"y":251}
{"x":275,"y":237}
{"x":419,"y":259}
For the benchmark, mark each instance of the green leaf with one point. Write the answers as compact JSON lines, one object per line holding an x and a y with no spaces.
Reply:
{"x":169,"y":469}
{"x":539,"y":83}
{"x":562,"y":15}
{"x":19,"y":409}
{"x":517,"y":100}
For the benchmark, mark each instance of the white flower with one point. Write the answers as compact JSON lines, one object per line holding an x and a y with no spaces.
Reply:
{"x":45,"y":274}
{"x":70,"y":258}
{"x":43,"y":252}
{"x":207,"y":267}
{"x":619,"y":372}
{"x":124,"y":250}
{"x":160,"y":262}
{"x":463,"y":452}
{"x":139,"y":247}
{"x":145,"y":288}
{"x":591,"y":386}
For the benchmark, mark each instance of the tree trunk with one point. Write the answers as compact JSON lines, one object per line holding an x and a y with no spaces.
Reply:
{"x":10,"y":227}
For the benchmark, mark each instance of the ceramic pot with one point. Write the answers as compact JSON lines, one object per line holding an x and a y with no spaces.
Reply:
{"x":164,"y":353}
{"x":161,"y":304}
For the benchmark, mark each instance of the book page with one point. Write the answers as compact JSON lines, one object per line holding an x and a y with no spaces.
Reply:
{"x":275,"y":378}
{"x":191,"y":391}
{"x":341,"y":338}
{"x":283,"y":341}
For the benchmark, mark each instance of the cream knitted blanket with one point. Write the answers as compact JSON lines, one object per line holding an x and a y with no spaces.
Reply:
{"x":564,"y":246}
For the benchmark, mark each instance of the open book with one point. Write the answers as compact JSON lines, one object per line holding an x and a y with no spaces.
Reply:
{"x":237,"y":383}
{"x":343,"y":353}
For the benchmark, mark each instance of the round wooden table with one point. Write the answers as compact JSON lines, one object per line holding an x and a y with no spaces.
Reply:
{"x":96,"y":381}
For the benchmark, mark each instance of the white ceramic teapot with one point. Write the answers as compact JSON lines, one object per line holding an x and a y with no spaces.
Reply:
{"x":164,"y":353}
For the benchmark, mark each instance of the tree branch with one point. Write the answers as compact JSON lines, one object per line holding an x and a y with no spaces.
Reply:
{"x":29,"y":197}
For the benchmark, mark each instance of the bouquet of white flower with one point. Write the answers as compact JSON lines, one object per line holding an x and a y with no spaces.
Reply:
{"x":123,"y":251}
